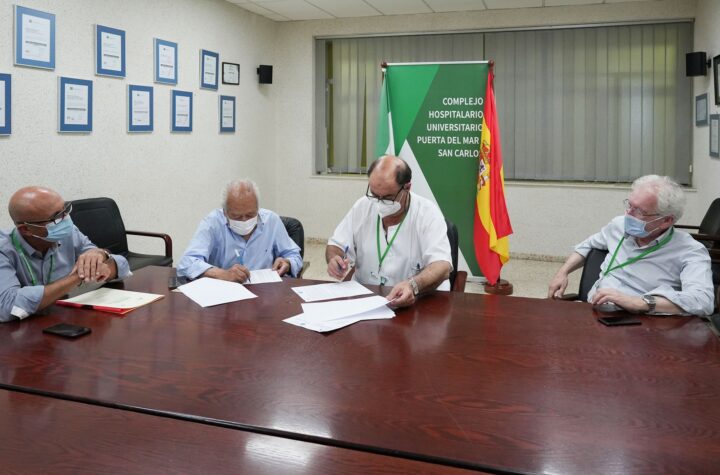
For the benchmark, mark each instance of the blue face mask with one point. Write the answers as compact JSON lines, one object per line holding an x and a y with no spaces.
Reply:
{"x":58,"y":232}
{"x":636,"y":227}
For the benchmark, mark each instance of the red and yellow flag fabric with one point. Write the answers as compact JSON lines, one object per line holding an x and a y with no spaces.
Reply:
{"x":492,"y":223}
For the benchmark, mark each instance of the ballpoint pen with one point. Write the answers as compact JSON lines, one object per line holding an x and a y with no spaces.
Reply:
{"x":237,"y":255}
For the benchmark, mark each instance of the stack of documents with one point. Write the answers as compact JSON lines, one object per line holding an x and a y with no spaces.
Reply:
{"x":328,"y":316}
{"x":111,"y":300}
{"x":207,"y":292}
{"x":263,"y":276}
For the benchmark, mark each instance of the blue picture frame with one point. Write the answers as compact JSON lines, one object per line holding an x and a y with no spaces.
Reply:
{"x":166,"y":62}
{"x":141,"y":108}
{"x":208,"y":76}
{"x":38,"y":50}
{"x":71,"y":117}
{"x":6,"y":105}
{"x":181,"y":118}
{"x":224,"y":127}
{"x":714,"y":134}
{"x":109,"y":62}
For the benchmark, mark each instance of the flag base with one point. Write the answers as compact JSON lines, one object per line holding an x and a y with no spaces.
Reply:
{"x":502,"y":287}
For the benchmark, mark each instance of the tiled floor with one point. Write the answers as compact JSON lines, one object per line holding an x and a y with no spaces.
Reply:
{"x":530,"y":278}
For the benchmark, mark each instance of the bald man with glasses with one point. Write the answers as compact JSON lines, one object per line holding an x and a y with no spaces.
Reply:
{"x":651,"y":267}
{"x":393,"y":236}
{"x":45,"y":255}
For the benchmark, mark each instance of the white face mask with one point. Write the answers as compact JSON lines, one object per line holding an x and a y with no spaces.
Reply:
{"x":243,"y":228}
{"x":385,"y":210}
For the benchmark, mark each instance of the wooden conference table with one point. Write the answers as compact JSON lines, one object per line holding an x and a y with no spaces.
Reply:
{"x":501,"y":384}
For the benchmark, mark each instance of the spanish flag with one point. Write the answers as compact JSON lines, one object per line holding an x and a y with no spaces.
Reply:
{"x":492,"y":223}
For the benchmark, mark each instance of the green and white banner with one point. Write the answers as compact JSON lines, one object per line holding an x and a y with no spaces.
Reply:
{"x":431,"y":116}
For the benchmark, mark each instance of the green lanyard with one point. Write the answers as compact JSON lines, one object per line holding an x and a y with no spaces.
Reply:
{"x":657,"y":246}
{"x":381,"y":258}
{"x":24,"y":258}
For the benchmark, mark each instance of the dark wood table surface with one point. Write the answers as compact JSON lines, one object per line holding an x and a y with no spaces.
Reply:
{"x":487,"y":382}
{"x":45,"y":435}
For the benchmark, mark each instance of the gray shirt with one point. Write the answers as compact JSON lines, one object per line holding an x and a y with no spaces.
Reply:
{"x":22,"y":285}
{"x":679,"y":270}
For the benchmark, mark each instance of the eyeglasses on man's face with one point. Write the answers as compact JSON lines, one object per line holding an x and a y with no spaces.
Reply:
{"x":56,"y":218}
{"x":388,"y":199}
{"x":630,"y":209}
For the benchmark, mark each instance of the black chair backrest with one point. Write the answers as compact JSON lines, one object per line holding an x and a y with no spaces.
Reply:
{"x":591,"y":272}
{"x":452,"y":234}
{"x":711,"y":222}
{"x":99,"y":219}
{"x":296,"y":232}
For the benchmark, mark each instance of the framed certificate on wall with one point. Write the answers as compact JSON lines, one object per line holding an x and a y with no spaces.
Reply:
{"x":227,"y":114}
{"x":208,"y":69}
{"x":5,"y":104}
{"x":76,"y":105}
{"x":231,"y":73}
{"x":140,"y":108}
{"x":109,"y":51}
{"x":34,"y":38}
{"x":182,"y":111}
{"x":166,"y":67}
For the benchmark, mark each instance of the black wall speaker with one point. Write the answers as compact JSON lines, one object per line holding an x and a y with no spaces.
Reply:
{"x":265,"y":73}
{"x":696,"y":64}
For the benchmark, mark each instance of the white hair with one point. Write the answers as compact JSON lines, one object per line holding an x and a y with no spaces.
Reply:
{"x":670,"y":196}
{"x":241,"y":186}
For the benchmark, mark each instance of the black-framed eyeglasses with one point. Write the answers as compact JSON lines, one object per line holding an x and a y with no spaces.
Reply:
{"x":637,"y":211}
{"x":56,"y":218}
{"x":383,"y":199}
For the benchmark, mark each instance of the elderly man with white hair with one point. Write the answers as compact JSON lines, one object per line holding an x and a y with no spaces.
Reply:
{"x":240,"y":237}
{"x":651,"y":267}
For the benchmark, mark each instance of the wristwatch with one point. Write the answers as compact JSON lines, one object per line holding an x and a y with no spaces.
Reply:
{"x":414,"y":286}
{"x":650,"y":301}
{"x":106,"y":252}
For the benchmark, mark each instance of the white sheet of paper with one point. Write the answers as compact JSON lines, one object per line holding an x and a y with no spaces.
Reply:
{"x":111,"y":51}
{"x":714,"y":143}
{"x":209,"y":66}
{"x":231,"y":73}
{"x":324,"y":317}
{"x":342,"y":308}
{"x":227,"y":114}
{"x":182,"y":111}
{"x":140,"y":108}
{"x":263,"y":276}
{"x":35,"y":38}
{"x":166,"y":62}
{"x":106,"y":297}
{"x":76,"y":104}
{"x":335,"y":290}
{"x":207,"y":292}
{"x":2,"y":103}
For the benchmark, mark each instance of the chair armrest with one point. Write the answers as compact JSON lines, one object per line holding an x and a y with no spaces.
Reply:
{"x":164,"y":237}
{"x":304,"y":267}
{"x":686,"y":226}
{"x":460,"y":279}
{"x":706,"y":237}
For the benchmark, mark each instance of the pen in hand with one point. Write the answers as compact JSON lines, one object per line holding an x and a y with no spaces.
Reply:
{"x":237,"y":255}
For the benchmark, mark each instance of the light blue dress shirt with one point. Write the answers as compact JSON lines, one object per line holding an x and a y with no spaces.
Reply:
{"x":216,"y":245}
{"x":19,"y":296}
{"x":679,"y":270}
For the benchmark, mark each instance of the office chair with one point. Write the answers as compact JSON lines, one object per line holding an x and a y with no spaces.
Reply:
{"x":708,"y":233}
{"x":296,"y":232}
{"x":590,"y":274}
{"x":100,"y":220}
{"x":457,"y":278}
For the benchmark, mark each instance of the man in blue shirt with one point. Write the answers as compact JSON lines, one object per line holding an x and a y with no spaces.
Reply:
{"x":240,"y":237}
{"x":45,"y":255}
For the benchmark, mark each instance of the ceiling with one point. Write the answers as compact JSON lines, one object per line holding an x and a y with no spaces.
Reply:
{"x":290,"y":10}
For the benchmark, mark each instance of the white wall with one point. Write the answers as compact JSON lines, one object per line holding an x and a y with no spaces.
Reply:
{"x":707,"y":38}
{"x":161,"y":181}
{"x":548,"y":219}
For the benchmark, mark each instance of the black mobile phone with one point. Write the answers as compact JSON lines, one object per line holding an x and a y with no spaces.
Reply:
{"x":67,"y":330}
{"x":175,"y":282}
{"x":619,"y":321}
